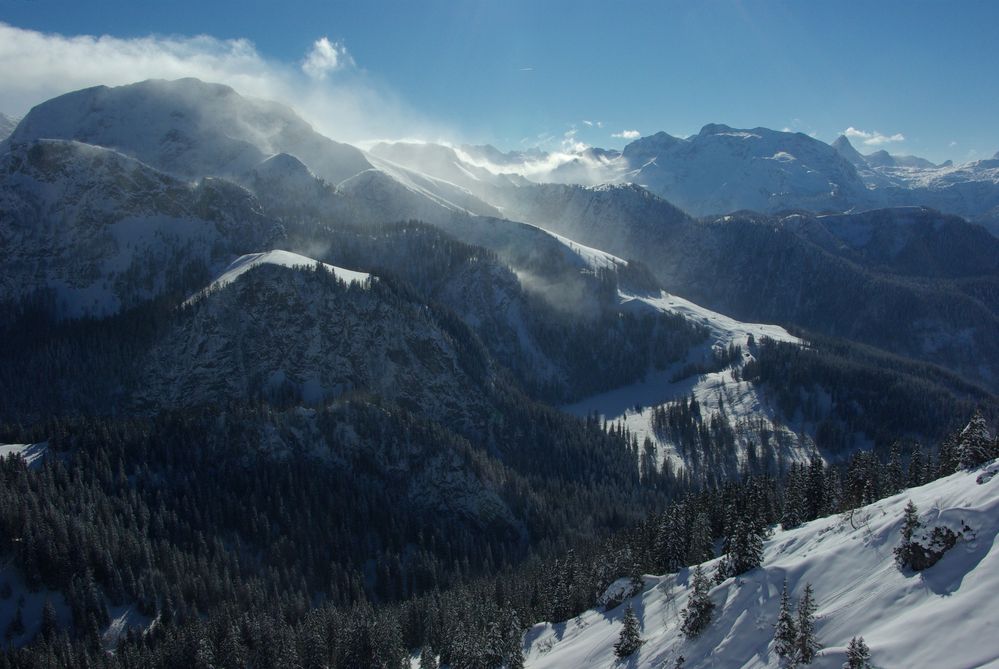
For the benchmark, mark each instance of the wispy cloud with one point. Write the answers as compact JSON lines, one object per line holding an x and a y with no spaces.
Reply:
{"x":627,"y":134}
{"x":571,"y":144}
{"x":326,"y":57}
{"x":527,"y":69}
{"x":325,"y":87}
{"x":593,"y":124}
{"x":873,"y":138}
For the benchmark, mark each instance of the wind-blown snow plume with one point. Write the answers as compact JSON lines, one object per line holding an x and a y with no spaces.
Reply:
{"x":325,"y":87}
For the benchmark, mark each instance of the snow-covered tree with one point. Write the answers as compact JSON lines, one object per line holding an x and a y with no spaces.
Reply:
{"x":630,"y":639}
{"x":744,"y":546}
{"x":807,"y":644}
{"x":910,"y":525}
{"x":701,"y":548}
{"x":858,"y":655}
{"x":697,"y":615}
{"x":428,"y":659}
{"x":974,"y":443}
{"x":514,"y":641}
{"x":785,"y":631}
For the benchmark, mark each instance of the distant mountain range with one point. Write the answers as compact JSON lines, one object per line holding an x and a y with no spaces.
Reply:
{"x":721,"y":170}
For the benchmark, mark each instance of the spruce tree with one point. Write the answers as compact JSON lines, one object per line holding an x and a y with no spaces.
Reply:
{"x":858,"y":655}
{"x":910,"y":525}
{"x":974,"y":443}
{"x":807,"y":644}
{"x":701,"y":548}
{"x":630,"y":639}
{"x":428,"y":659}
{"x":785,"y":631}
{"x":744,"y":547}
{"x":514,"y":641}
{"x":697,"y":615}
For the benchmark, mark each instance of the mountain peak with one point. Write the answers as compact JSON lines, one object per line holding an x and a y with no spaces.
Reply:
{"x":845,"y":148}
{"x":189,"y":128}
{"x":714,"y":129}
{"x":880,"y":159}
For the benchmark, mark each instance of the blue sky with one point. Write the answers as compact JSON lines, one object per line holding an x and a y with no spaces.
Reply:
{"x":911,"y":77}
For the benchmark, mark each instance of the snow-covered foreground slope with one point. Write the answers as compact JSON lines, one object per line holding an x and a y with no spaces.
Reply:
{"x":941,"y":617}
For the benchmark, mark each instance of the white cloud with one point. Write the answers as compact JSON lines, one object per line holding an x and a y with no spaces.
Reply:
{"x":36,"y":66}
{"x":952,"y":144}
{"x":627,"y":134}
{"x":873,"y":138}
{"x":572,"y":145}
{"x":325,"y":57}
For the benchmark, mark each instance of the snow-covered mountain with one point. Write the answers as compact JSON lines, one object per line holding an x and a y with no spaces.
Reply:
{"x":879,"y":158}
{"x":936,"y":617}
{"x":970,"y":189}
{"x":275,"y":325}
{"x":102,"y":230}
{"x":723,"y":169}
{"x":189,"y":128}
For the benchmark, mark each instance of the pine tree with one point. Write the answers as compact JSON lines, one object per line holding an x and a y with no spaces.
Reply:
{"x":514,"y":641}
{"x":916,"y":473}
{"x":744,"y":548}
{"x":16,"y":626}
{"x":910,"y":525}
{"x":701,"y":549}
{"x":858,"y":655}
{"x":794,"y":500}
{"x":785,"y":631}
{"x":974,"y":443}
{"x":630,"y":639}
{"x":50,"y":621}
{"x":807,"y":644}
{"x":428,"y":660}
{"x":697,"y":615}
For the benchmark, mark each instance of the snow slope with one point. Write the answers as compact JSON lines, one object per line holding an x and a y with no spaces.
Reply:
{"x":717,"y":392}
{"x":280,"y":258}
{"x":721,"y":392}
{"x":907,"y":619}
{"x":33,"y":454}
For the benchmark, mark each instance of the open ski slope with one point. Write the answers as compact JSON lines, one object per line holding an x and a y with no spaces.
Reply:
{"x":945,"y":616}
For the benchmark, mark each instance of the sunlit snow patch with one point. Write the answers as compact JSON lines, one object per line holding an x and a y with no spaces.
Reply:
{"x":243,"y":264}
{"x":33,"y":454}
